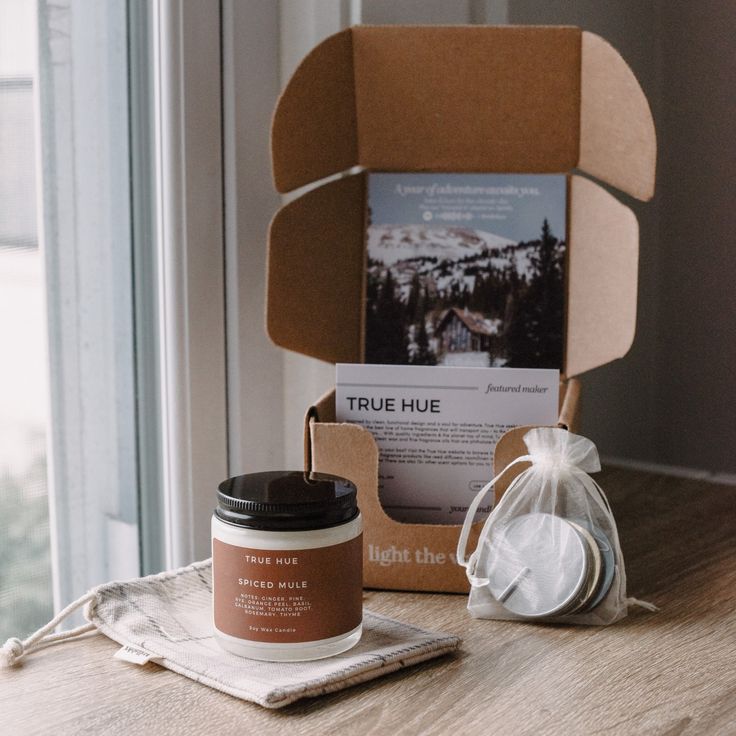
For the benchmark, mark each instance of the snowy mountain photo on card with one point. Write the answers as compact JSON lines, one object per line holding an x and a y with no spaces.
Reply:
{"x":465,"y":270}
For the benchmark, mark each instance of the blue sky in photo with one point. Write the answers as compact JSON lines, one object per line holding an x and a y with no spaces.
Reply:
{"x":522,"y":222}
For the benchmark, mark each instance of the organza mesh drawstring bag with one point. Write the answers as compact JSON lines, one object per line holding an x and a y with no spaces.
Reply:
{"x":549,"y":550}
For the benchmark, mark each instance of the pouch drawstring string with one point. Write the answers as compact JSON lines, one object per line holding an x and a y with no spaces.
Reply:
{"x":462,"y":543}
{"x":14,"y":649}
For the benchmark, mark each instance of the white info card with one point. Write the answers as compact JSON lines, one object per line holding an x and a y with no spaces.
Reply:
{"x":436,"y":428}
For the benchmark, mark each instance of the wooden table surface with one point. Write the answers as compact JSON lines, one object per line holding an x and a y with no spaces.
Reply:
{"x":671,"y":672}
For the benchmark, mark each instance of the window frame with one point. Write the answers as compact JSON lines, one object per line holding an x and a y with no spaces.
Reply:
{"x":191,"y":282}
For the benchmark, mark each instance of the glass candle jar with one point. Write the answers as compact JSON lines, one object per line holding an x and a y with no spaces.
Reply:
{"x":287,"y":566}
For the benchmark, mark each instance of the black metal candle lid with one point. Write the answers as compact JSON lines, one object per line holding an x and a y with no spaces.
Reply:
{"x":286,"y":500}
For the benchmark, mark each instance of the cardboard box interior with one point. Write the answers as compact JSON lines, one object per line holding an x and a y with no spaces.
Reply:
{"x":512,"y":99}
{"x":316,"y":274}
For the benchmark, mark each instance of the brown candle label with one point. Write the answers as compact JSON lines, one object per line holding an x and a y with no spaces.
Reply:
{"x":288,"y":596}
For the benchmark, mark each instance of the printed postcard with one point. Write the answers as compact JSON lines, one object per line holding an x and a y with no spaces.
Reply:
{"x":466,"y":270}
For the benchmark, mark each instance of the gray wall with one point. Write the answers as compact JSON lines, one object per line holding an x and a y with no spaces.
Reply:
{"x":670,"y":401}
{"x":696,"y":338}
{"x":621,"y":405}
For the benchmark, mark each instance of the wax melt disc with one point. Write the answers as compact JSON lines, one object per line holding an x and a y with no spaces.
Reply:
{"x":594,"y":570}
{"x":539,"y":565}
{"x":608,"y":560}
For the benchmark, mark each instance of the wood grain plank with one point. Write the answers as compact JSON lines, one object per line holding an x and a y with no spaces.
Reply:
{"x":672,"y":672}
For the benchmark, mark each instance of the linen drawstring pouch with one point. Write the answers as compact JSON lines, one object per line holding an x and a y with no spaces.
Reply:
{"x":167,"y":619}
{"x":549,"y":551}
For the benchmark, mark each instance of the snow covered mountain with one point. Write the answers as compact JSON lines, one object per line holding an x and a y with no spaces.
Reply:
{"x":393,"y":243}
{"x":442,"y":256}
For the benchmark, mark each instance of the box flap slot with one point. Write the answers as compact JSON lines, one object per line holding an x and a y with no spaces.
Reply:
{"x":350,"y":451}
{"x":618,"y":142}
{"x":603,"y":261}
{"x":315,"y":272}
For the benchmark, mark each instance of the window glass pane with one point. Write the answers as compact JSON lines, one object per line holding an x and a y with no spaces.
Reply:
{"x":87,"y":242}
{"x":25,"y":561}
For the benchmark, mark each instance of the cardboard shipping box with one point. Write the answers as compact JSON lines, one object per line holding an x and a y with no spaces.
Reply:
{"x":449,"y":99}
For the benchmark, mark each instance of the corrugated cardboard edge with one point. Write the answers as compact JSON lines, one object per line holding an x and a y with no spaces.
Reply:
{"x":350,"y":451}
{"x":615,"y":110}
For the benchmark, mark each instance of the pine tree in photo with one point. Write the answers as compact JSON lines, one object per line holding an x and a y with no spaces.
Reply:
{"x":413,"y":303}
{"x":475,"y":303}
{"x":534,"y":336}
{"x":386,"y":325}
{"x":372,"y":323}
{"x":423,"y":354}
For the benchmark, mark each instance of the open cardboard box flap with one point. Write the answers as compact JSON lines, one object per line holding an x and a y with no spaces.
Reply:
{"x":316,"y":272}
{"x":464,"y":98}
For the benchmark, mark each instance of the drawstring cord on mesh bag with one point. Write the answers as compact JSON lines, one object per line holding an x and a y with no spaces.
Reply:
{"x":14,"y":649}
{"x":462,"y":543}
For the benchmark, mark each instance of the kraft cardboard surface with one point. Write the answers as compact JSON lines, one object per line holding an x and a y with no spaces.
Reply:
{"x":467,"y":99}
{"x":464,"y":98}
{"x":316,"y":271}
{"x":614,"y":109}
{"x":314,"y":131}
{"x":390,"y":548}
{"x":602,"y":272}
